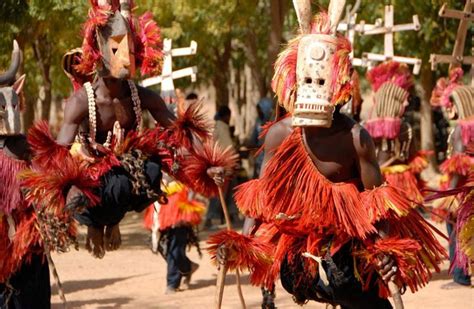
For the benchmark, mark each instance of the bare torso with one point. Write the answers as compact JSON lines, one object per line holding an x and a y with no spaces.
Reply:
{"x":342,"y":153}
{"x":113,"y":103}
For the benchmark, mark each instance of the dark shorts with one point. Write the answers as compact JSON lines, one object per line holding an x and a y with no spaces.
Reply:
{"x":117,"y":197}
{"x":343,"y":289}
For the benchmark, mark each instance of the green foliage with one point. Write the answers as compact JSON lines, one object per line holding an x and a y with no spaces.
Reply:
{"x":55,"y":24}
{"x":214,"y":24}
{"x":437,"y":34}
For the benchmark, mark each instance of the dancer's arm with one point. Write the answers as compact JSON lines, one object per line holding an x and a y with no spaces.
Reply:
{"x":156,"y":106}
{"x":371,"y":177}
{"x":368,"y":166}
{"x":75,"y":111}
{"x":275,"y":136}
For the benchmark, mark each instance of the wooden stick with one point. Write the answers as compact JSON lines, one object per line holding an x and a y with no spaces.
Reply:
{"x":220,"y":283}
{"x":239,"y":288}
{"x":225,"y":209}
{"x":223,"y":270}
{"x":52,"y":266}
{"x":397,"y":297}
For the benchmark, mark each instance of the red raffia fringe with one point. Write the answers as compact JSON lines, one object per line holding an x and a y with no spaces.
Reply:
{"x":292,"y":170}
{"x":465,"y":232}
{"x":405,"y":254}
{"x":180,"y":210}
{"x":390,"y":205}
{"x":191,"y":123}
{"x":205,"y":156}
{"x":317,"y":209}
{"x":245,"y":253}
{"x":24,"y":244}
{"x":151,"y":47}
{"x":420,"y":161}
{"x":54,"y":171}
{"x":467,"y":131}
{"x":440,"y":97}
{"x":459,"y":163}
{"x":387,"y":127}
{"x":393,"y":72}
{"x":26,"y":241}
{"x":407,"y":182}
{"x":10,"y":195}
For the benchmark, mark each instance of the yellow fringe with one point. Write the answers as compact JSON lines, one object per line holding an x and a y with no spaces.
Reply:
{"x":399,"y":168}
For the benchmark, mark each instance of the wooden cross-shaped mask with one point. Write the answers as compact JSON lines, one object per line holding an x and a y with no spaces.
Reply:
{"x":168,"y":75}
{"x":350,"y":26}
{"x":457,"y":58}
{"x":388,"y":29}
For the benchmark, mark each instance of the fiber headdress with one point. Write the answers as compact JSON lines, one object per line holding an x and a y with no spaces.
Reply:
{"x":146,"y":36}
{"x":391,"y":82}
{"x":457,"y":99}
{"x":313,"y":73}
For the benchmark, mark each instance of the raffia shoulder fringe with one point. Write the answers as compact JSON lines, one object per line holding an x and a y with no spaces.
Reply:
{"x":315,"y":215}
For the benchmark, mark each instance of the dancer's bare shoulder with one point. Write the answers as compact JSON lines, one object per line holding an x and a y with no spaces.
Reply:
{"x":277,"y":133}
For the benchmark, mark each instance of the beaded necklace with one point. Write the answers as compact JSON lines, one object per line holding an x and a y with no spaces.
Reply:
{"x":93,"y":110}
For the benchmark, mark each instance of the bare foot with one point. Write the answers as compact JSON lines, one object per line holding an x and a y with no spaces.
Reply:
{"x":112,"y":237}
{"x":95,"y":241}
{"x":454,"y":285}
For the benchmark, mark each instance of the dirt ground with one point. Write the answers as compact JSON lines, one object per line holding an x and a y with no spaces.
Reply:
{"x":134,"y":277}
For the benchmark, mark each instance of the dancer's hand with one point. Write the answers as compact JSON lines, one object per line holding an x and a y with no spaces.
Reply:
{"x":386,"y":268}
{"x":217,"y":174}
{"x":112,"y":238}
{"x":95,"y":241}
{"x":221,"y":254}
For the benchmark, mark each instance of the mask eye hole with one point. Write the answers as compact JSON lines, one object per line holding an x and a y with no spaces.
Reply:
{"x":308,"y":80}
{"x":321,"y":81}
{"x":115,"y":42}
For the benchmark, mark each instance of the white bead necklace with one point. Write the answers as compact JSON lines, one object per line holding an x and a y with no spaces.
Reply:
{"x":93,"y":111}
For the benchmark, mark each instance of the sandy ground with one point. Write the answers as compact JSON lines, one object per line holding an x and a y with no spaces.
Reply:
{"x":134,"y":277}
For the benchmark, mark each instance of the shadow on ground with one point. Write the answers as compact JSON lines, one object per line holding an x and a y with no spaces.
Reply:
{"x":442,"y":275}
{"x":98,"y":303}
{"x":88,"y":284}
{"x":229,"y":280}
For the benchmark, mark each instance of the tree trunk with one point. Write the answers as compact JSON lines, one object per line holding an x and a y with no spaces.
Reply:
{"x":278,"y":9}
{"x":426,"y":116}
{"x":42,"y":51}
{"x":256,"y":67}
{"x":262,"y":69}
{"x":28,"y":115}
{"x":221,"y":77}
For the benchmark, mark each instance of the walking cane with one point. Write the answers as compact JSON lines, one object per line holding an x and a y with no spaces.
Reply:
{"x":222,"y":267}
{"x":397,"y":297}
{"x":52,"y":266}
